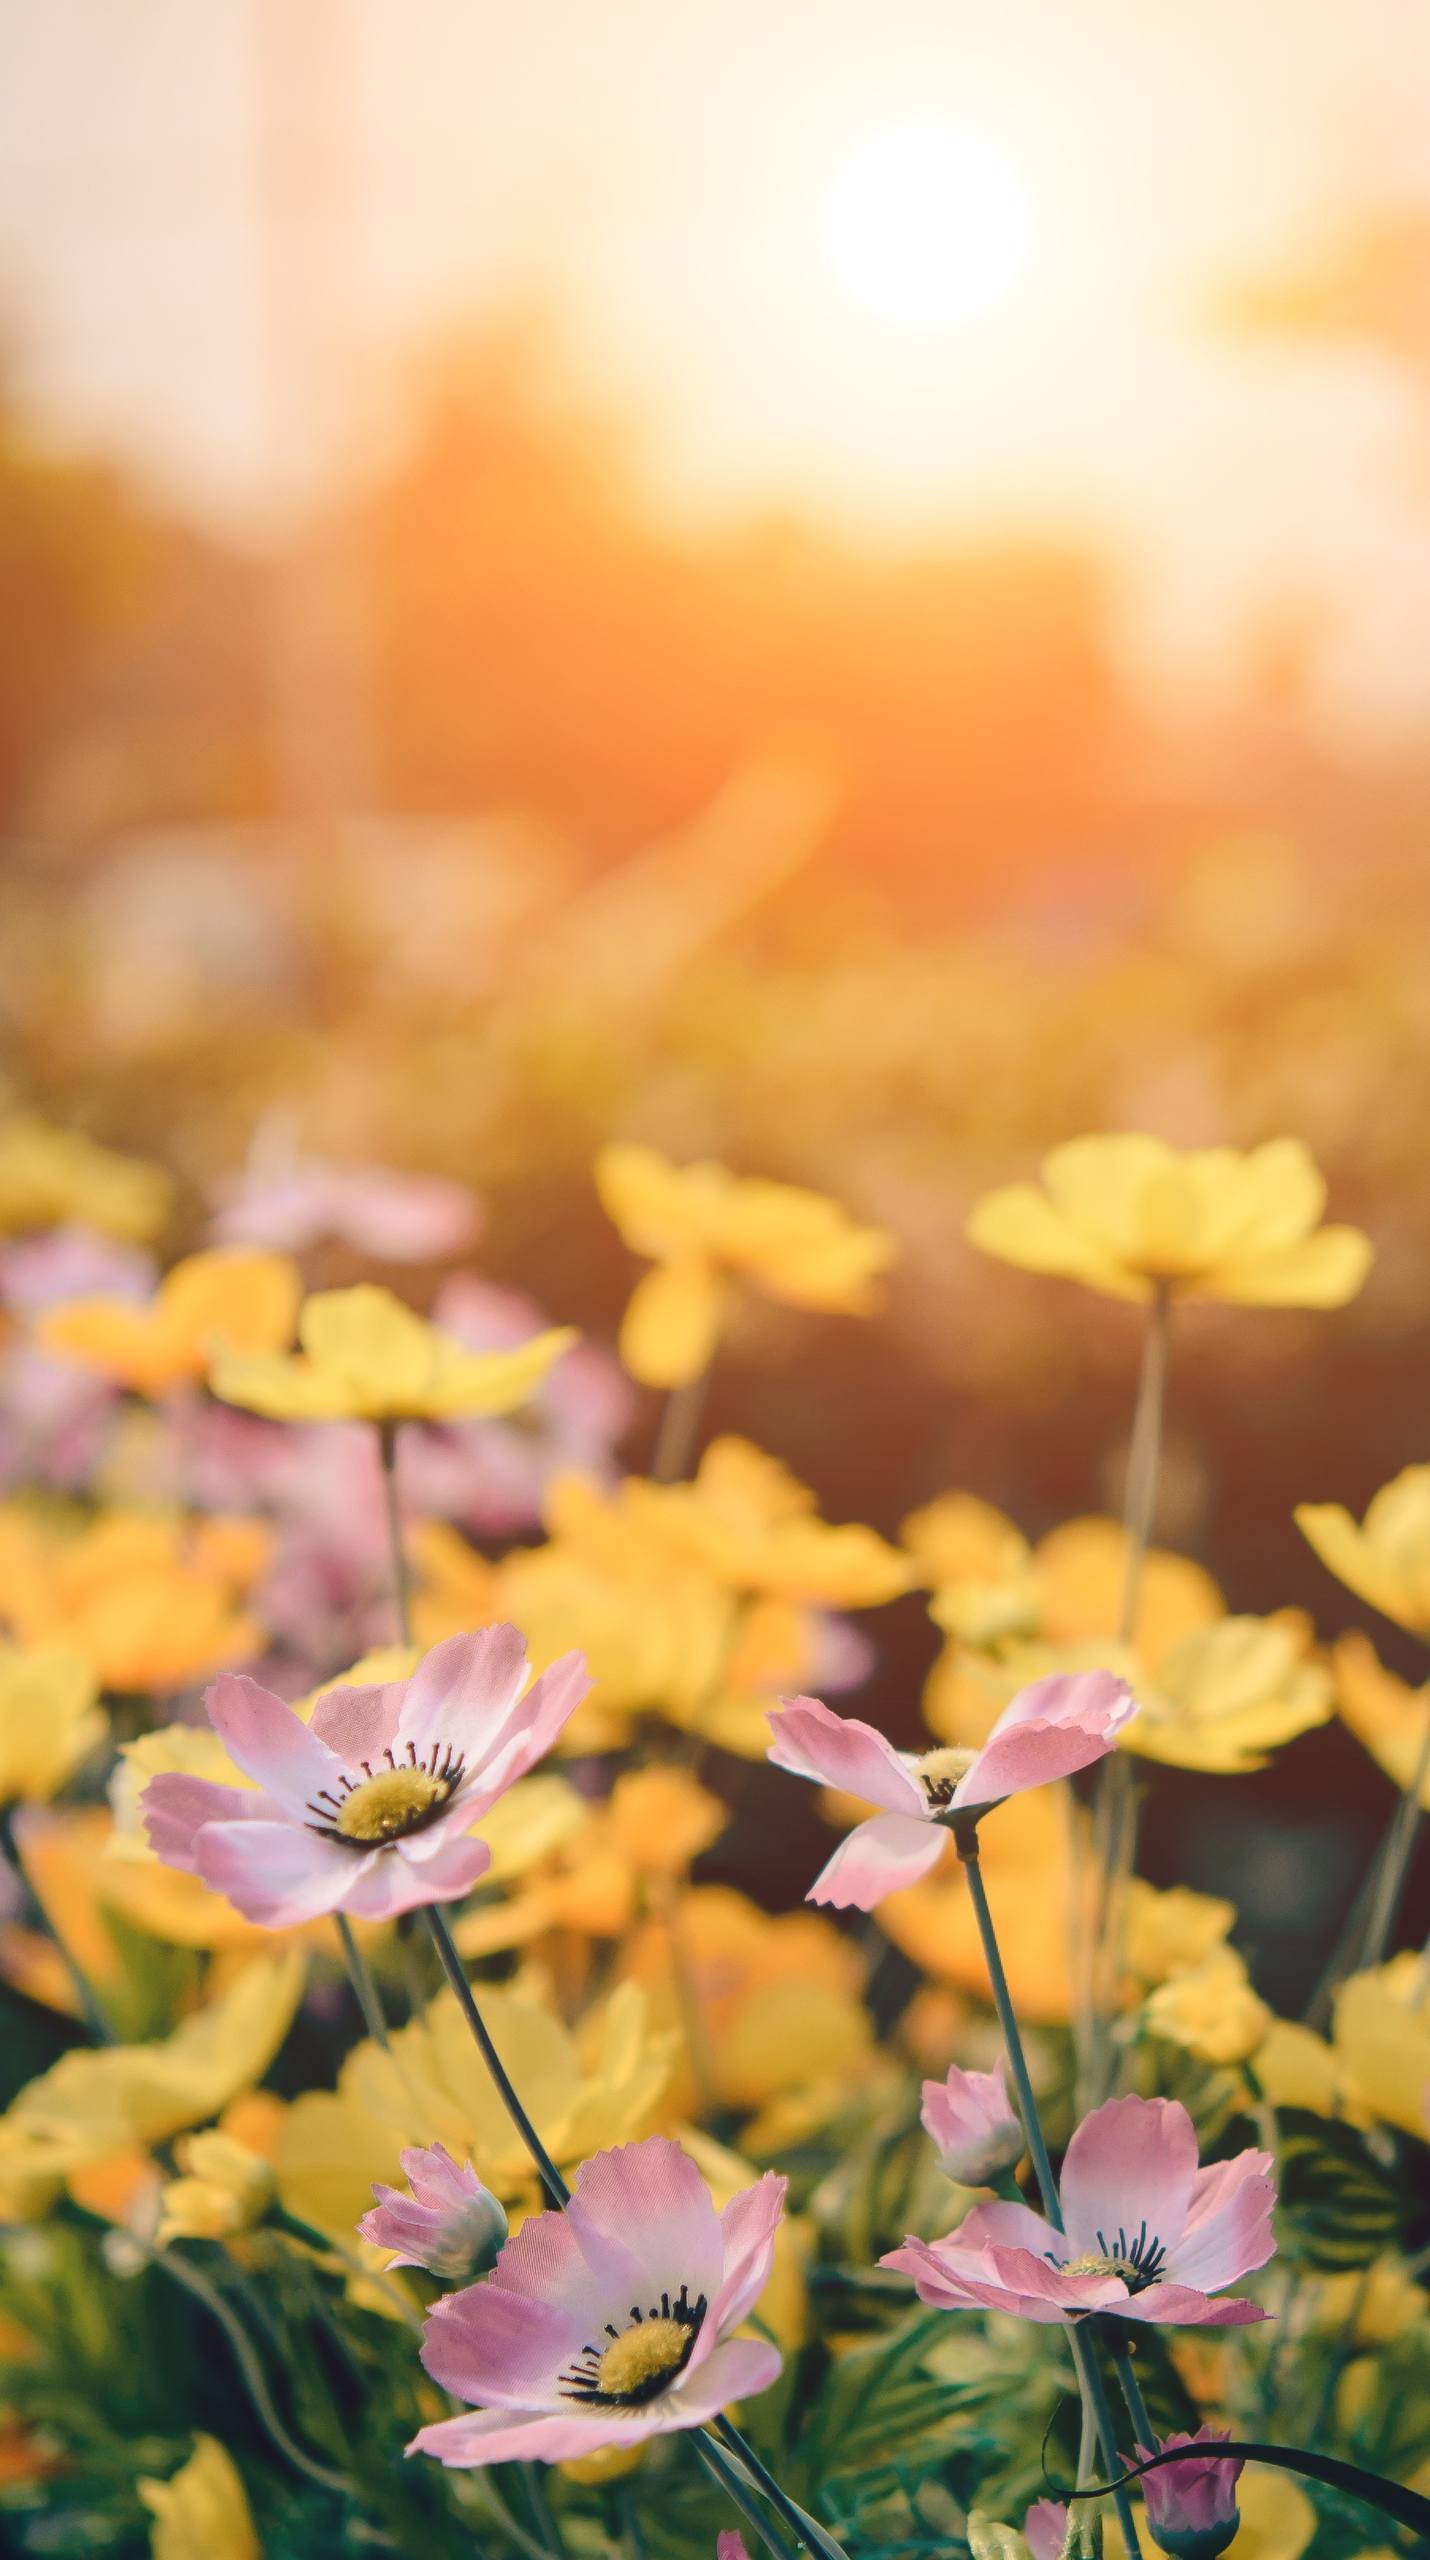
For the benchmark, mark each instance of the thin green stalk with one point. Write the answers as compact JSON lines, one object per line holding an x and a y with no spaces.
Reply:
{"x":1144,"y":1458}
{"x":401,"y":1593}
{"x":721,"y":2469}
{"x":247,"y":2361}
{"x":812,"y":2535}
{"x":679,"y":1430}
{"x":1094,"y":2397}
{"x":809,"y":2529}
{"x":1144,"y":2435}
{"x":1394,"y":1864}
{"x":362,"y":1982}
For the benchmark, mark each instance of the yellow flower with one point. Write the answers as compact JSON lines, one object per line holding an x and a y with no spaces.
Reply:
{"x":150,"y":1603}
{"x":49,"y":1176}
{"x":1386,"y":1714}
{"x":702,"y":1227}
{"x":49,"y":1721}
{"x":225,"y":2189}
{"x":1213,"y":2012}
{"x":979,"y":1565}
{"x":1297,"y":2068}
{"x":757,"y":1529}
{"x":1027,"y":1868}
{"x":366,"y":1356}
{"x":1130,"y":1215}
{"x":582,"y":2089}
{"x":202,"y":2512}
{"x":1382,"y":2038}
{"x":231,"y":1302}
{"x":1223,"y":1697}
{"x":1387,"y":1559}
{"x":94,"y":2104}
{"x":595,"y":1860}
{"x":1171,"y":1932}
{"x":1382,"y":2300}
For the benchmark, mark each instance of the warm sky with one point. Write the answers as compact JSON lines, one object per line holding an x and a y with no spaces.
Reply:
{"x":660,"y":170}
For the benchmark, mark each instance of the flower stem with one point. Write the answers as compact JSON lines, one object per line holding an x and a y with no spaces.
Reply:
{"x":1126,"y":2372}
{"x":679,"y":1429}
{"x":1395,"y":1856}
{"x":387,"y":1448}
{"x":455,"y":1971}
{"x":1094,"y":2397}
{"x":362,"y":1982}
{"x":245,"y":2358}
{"x":1144,"y":1458}
{"x":724,"y":2471}
{"x":810,"y":2532}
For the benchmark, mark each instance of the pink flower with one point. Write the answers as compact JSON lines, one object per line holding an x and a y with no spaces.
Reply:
{"x":611,"y":2321}
{"x":1057,"y":1726}
{"x":971,"y":2125}
{"x":1150,"y":2235}
{"x":1045,"y":2529}
{"x":1191,"y":2506}
{"x":731,"y":2546}
{"x":367,"y":1808}
{"x":290,"y":1202}
{"x":450,"y":2224}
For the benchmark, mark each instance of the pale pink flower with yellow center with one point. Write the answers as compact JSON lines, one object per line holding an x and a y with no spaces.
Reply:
{"x":450,"y":2223}
{"x":610,"y":2321}
{"x":368,"y":1807}
{"x":1150,"y":2235}
{"x":1051,"y":1730}
{"x":1191,"y":2506}
{"x":971,"y":2124}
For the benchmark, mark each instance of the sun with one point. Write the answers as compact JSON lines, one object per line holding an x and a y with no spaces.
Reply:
{"x":927,"y":224}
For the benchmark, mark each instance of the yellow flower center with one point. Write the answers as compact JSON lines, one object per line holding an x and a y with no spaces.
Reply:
{"x":1095,"y":2265}
{"x":938,"y":1773}
{"x":642,"y":2359}
{"x":394,"y":1802}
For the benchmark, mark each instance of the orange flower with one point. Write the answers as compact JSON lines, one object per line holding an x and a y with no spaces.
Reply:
{"x":235,"y":1302}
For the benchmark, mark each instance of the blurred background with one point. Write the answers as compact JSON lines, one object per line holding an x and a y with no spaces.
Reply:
{"x":843,"y":589}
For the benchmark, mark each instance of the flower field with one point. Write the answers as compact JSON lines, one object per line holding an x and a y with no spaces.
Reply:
{"x":570,"y":2002}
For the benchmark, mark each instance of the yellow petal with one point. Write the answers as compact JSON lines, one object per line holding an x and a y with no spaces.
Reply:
{"x":245,"y":1302}
{"x":659,"y":1209}
{"x":473,"y":1383}
{"x":1021,"y":1226}
{"x":1373,"y":1570}
{"x":1382,"y":2040}
{"x":201,"y":2513}
{"x":1327,"y":1270}
{"x":377,"y":1349}
{"x":284,"y":1389}
{"x":672,"y":1323}
{"x":1386,"y":1714}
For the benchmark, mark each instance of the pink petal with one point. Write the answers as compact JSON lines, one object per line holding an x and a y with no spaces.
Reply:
{"x":977,"y":2286}
{"x":176,"y":1808}
{"x":735,"y":2370}
{"x":1057,"y":1726}
{"x":436,"y":2179}
{"x":1228,"y":2229}
{"x":395,"y":1883}
{"x":496,"y":2435}
{"x":278,"y":1874}
{"x":531,"y":1728}
{"x":490,"y":2344}
{"x":644,"y":2212}
{"x":269,"y":1743}
{"x":463,"y":1692}
{"x":1008,"y":2226}
{"x":884,"y":1854}
{"x":1129,"y":2158}
{"x":748,"y":2228}
{"x":1182,"y":2306}
{"x":838,"y":1751}
{"x":358,"y":1721}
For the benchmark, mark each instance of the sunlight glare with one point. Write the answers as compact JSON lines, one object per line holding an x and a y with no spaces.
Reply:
{"x":928,"y":223}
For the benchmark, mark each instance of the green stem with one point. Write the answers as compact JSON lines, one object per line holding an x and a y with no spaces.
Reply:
{"x":1144,"y":1458}
{"x":1118,"y":2348}
{"x":1094,"y":2397}
{"x":245,"y":2358}
{"x":808,"y":2528}
{"x":362,"y":1982}
{"x":1395,"y":1856}
{"x":387,"y":1448}
{"x":679,"y":1430}
{"x":724,"y":2471}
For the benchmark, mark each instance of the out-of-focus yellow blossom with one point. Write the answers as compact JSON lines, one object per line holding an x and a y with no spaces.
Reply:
{"x":50,"y":1176}
{"x":67,"y":1858}
{"x":365,"y":1356}
{"x":151,"y":1603}
{"x":202,"y":2512}
{"x":650,"y":1830}
{"x":1130,"y":1215}
{"x":1386,"y":1714}
{"x":95,"y":2104}
{"x":981,"y":1567}
{"x":1381,"y":2031}
{"x":772,"y":2004}
{"x":704,"y":1227}
{"x":1382,"y":2300}
{"x":609,"y":2462}
{"x":757,"y":1529}
{"x":582,"y":2089}
{"x":1297,"y":2068}
{"x":1386,"y":1559}
{"x":1173,"y":1931}
{"x":49,"y":1720}
{"x":1213,"y":2011}
{"x":1277,"y":2519}
{"x":222,"y":1301}
{"x":1026,"y":1863}
{"x":224,"y":2188}
{"x":1222,"y":1698}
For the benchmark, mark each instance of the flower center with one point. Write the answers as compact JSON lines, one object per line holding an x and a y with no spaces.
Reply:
{"x":1139,"y":2261}
{"x":938,"y":1773}
{"x":640,"y":2360}
{"x":385,"y":1804}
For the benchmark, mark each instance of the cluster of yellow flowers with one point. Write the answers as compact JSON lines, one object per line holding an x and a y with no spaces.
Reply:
{"x":634,"y":1994}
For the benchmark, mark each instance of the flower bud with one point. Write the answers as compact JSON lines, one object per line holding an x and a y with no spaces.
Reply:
{"x":1191,"y":2505}
{"x":450,"y":2223}
{"x":971,"y":2125}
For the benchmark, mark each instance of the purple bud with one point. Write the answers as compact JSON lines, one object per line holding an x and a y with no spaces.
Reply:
{"x":450,"y":2223}
{"x":968,"y":2119}
{"x":1191,"y":2505}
